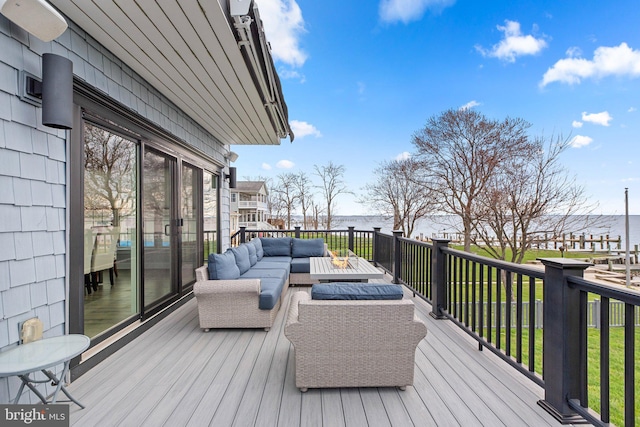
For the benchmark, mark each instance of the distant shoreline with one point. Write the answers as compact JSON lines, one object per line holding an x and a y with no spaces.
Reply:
{"x":613,"y":225}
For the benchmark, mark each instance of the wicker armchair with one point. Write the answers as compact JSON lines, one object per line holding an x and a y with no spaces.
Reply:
{"x":353,"y":343}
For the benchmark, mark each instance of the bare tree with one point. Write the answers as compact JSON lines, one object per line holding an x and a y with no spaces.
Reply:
{"x":528,"y":198}
{"x":332,"y":185}
{"x":316,"y":216}
{"x":109,"y":172}
{"x":286,"y":191}
{"x":398,"y":193}
{"x":461,"y":151}
{"x":305,"y":195}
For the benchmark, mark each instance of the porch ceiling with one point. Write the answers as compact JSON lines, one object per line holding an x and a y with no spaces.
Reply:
{"x":187,"y":50}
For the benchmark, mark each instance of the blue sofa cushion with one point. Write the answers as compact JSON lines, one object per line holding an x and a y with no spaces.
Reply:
{"x":304,"y":248}
{"x":253,"y":256}
{"x":260,"y":273}
{"x":300,"y":265}
{"x":266,"y":263}
{"x":258,"y":244}
{"x":355,"y":291}
{"x":223,"y":266}
{"x":242,"y":258}
{"x":276,"y":246}
{"x":270,"y":290}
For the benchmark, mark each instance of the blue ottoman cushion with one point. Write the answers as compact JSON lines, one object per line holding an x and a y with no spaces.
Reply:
{"x":355,"y":291}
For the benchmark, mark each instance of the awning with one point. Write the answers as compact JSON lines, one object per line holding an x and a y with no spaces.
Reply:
{"x":188,"y":51}
{"x":257,"y":53}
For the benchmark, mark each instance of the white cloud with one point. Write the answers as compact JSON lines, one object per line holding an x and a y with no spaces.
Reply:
{"x":302,"y":129}
{"x":285,"y":164}
{"x":403,"y":156}
{"x":514,"y":43}
{"x":469,"y":104}
{"x":580,"y":141}
{"x":602,"y":118}
{"x":283,"y":25}
{"x":576,"y":124}
{"x":361,"y":88}
{"x":631,"y":109}
{"x":574,"y":52}
{"x":607,"y":61}
{"x":285,"y":73}
{"x":266,"y":166}
{"x":405,"y":11}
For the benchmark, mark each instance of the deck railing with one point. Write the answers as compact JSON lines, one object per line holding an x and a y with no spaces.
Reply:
{"x":358,"y":241}
{"x":489,"y":299}
{"x":492,"y":301}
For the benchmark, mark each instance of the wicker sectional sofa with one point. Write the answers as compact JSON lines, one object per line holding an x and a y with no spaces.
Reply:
{"x":245,"y":286}
{"x":353,"y":343}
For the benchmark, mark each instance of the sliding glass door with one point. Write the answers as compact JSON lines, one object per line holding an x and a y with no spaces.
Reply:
{"x":111,"y":259}
{"x":191,"y":209}
{"x":144,"y":223}
{"x":159,"y":227}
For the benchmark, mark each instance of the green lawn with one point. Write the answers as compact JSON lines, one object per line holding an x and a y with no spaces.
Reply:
{"x":616,"y":367}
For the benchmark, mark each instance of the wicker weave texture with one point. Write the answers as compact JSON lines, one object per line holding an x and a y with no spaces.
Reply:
{"x":232,"y":303}
{"x":353,"y":343}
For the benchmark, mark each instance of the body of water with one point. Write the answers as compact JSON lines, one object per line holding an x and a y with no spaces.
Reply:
{"x":613,"y":225}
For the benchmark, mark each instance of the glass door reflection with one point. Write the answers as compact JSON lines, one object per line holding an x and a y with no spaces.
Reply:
{"x":110,"y":229}
{"x":159,"y":228}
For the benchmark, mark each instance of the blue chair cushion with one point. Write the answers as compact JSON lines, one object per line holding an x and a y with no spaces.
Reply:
{"x":300,"y":265}
{"x":270,"y":290}
{"x":356,"y":291}
{"x":258,"y":244}
{"x":301,"y":248}
{"x":223,"y":266}
{"x":253,"y":256}
{"x":242,"y":258}
{"x":269,"y":259}
{"x":280,"y":246}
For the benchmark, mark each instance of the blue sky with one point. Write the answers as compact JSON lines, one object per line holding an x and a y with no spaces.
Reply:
{"x":360,"y":77}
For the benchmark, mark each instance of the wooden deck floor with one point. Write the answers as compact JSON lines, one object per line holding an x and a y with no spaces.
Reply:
{"x":177,"y":375}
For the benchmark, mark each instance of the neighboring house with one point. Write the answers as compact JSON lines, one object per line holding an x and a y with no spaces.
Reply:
{"x":249,"y":207}
{"x":160,"y":94}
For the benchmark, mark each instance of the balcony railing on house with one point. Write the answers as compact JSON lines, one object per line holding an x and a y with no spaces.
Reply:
{"x":491,"y":300}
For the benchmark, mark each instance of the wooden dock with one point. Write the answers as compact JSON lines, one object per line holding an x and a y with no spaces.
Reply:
{"x":177,"y":375}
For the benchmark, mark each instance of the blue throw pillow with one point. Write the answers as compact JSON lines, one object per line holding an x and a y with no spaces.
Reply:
{"x":258,"y":244}
{"x":242,"y":258}
{"x":304,"y":248}
{"x":356,"y":291}
{"x":253,"y":257}
{"x":223,"y":266}
{"x":280,"y":246}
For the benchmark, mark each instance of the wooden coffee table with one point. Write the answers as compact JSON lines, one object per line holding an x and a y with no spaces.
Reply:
{"x":323,"y":270}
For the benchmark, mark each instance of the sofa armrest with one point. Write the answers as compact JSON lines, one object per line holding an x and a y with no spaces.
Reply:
{"x":202,"y":273}
{"x":292,"y":315}
{"x":236,"y":286}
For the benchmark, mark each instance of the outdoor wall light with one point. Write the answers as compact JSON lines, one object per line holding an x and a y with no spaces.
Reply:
{"x":231,"y":176}
{"x":36,"y":17}
{"x":55,"y":90}
{"x":232,"y":156}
